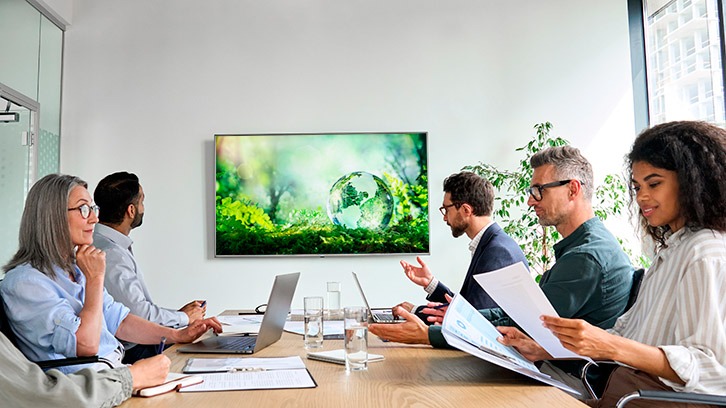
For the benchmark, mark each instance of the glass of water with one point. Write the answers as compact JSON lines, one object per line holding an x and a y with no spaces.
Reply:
{"x":334,"y":300}
{"x":313,"y":322}
{"x":356,"y":338}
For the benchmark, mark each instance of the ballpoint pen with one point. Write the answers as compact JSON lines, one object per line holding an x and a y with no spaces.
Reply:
{"x":162,"y":343}
{"x":441,"y":306}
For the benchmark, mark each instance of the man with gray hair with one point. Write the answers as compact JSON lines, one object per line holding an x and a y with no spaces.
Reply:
{"x":592,"y":276}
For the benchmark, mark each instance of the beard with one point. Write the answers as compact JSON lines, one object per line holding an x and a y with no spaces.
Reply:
{"x":138,"y":220}
{"x":551,"y":221}
{"x":458,"y":230}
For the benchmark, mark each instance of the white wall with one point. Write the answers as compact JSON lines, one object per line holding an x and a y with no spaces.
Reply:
{"x":148,"y":84}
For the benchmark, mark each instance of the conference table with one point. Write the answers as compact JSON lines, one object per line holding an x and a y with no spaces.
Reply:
{"x":410,"y":376}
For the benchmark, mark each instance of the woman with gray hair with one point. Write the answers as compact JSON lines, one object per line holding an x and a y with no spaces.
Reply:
{"x":53,"y":290}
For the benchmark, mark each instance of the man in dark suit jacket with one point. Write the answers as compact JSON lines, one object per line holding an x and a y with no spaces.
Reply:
{"x":467,"y":209}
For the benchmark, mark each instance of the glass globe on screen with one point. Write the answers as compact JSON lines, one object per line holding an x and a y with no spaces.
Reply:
{"x":360,"y":200}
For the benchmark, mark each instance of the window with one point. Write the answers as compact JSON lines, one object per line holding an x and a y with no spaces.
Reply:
{"x":680,"y":49}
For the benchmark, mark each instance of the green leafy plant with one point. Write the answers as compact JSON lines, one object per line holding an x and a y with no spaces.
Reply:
{"x":520,"y":221}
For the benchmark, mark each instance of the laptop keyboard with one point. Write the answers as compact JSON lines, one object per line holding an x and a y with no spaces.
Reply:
{"x":385,"y":317}
{"x":239,"y":343}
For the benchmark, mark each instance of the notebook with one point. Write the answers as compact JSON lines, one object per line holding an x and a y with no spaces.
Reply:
{"x":377,"y":316}
{"x":270,"y":330}
{"x":173,"y":382}
{"x":338,"y":356}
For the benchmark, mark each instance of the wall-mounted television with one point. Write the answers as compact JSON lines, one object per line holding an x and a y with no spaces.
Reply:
{"x":321,"y":194}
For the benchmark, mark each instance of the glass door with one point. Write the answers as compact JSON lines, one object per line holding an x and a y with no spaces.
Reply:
{"x":16,"y":172}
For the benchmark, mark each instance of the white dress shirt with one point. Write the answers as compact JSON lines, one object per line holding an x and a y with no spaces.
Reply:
{"x":125,"y":282}
{"x":472,"y":248}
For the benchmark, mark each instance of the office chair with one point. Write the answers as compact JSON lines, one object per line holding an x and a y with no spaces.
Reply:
{"x":666,"y":396}
{"x":8,"y":332}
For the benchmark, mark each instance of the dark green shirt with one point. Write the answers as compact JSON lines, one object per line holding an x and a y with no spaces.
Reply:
{"x":590,"y":280}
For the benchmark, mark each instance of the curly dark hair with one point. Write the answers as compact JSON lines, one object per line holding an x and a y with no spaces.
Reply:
{"x":696,"y":151}
{"x":469,"y":188}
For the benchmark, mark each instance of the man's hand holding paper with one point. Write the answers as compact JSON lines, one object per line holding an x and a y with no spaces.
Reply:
{"x":516,"y":292}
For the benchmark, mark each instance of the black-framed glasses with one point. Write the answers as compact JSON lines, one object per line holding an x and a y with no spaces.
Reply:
{"x":86,"y":209}
{"x":444,"y":208}
{"x":536,"y":190}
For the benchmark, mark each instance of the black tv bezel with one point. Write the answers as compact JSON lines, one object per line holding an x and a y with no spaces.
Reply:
{"x":383,"y":254}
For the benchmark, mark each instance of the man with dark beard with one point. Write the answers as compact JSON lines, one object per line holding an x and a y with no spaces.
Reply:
{"x":591,"y":277}
{"x":121,"y":201}
{"x":467,"y":209}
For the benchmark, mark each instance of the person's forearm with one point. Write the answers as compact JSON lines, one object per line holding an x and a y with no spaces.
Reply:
{"x":88,"y":335}
{"x":649,"y":359}
{"x":141,"y":331}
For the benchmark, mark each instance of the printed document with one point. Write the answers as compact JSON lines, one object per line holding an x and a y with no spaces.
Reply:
{"x":249,"y":373}
{"x":215,"y":365}
{"x":467,"y":330}
{"x":518,"y":294}
{"x":253,"y":380}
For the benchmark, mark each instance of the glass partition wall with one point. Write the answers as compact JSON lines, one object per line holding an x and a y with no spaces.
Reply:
{"x":30,"y":86}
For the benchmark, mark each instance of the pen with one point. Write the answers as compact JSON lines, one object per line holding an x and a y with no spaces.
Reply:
{"x":204,"y":303}
{"x":441,"y":306}
{"x":247,"y":369}
{"x":162,"y":343}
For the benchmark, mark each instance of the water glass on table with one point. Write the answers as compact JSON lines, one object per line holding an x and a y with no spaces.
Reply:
{"x":334,"y":311}
{"x":313,"y":322}
{"x":355,"y":321}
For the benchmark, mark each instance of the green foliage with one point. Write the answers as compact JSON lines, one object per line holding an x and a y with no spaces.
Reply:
{"x":411,"y":200}
{"x":236,"y":214}
{"x":322,"y":239}
{"x":245,"y":229}
{"x":520,"y":221}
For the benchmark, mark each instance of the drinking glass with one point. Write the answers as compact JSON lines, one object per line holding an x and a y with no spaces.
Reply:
{"x":356,"y":338}
{"x":313,"y":322}
{"x":334,"y":300}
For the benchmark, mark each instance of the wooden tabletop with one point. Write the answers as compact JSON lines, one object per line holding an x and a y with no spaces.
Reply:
{"x":410,"y":376}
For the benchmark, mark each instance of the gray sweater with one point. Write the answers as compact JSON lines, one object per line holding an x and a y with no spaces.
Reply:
{"x":24,"y":384}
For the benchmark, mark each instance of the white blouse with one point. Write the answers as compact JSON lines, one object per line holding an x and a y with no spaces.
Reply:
{"x":681,"y":308}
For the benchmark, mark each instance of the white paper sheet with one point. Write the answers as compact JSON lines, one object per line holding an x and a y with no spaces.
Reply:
{"x":259,"y":380}
{"x":330,"y":327}
{"x":463,"y":330}
{"x":240,"y":320}
{"x":523,"y":300}
{"x":206,"y":365}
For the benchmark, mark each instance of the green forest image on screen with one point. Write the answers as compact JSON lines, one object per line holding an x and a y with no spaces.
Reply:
{"x":321,"y":194}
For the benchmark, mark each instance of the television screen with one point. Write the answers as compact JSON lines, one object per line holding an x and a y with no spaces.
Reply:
{"x":321,"y":194}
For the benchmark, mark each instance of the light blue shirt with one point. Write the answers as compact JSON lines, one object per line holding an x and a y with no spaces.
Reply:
{"x":43,"y":314}
{"x":125,"y":281}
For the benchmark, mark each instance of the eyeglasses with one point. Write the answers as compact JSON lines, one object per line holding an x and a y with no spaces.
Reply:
{"x":444,"y":208}
{"x":85,"y":210}
{"x":536,"y":191}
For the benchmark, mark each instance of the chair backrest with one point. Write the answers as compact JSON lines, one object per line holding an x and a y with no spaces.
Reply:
{"x":5,"y":324}
{"x":637,"y":280}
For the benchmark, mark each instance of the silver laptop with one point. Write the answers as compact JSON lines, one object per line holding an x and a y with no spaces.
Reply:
{"x":380,"y":315}
{"x":270,"y":331}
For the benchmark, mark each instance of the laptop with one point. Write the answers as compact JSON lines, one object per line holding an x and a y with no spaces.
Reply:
{"x":381,"y":315}
{"x":270,"y":331}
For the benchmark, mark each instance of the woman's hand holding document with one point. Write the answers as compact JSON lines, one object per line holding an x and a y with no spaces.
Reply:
{"x":466,"y":329}
{"x":516,"y":292}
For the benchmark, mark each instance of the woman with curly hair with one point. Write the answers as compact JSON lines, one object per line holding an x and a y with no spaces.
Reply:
{"x":674,"y":336}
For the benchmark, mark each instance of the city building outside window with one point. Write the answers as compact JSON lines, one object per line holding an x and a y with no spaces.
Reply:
{"x":682,"y":42}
